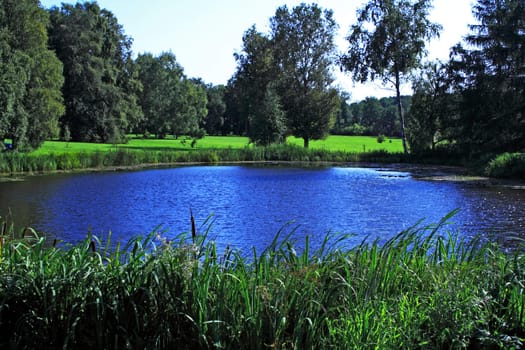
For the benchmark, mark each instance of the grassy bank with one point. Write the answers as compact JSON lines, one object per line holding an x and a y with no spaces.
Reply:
{"x":352,"y":144}
{"x":59,"y":156}
{"x":138,"y":152}
{"x":413,"y":292}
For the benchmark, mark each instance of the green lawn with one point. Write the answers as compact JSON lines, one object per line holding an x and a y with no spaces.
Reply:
{"x":332,"y":143}
{"x":353,"y":144}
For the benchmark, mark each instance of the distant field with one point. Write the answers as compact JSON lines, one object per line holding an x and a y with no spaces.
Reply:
{"x":353,"y":144}
{"x":333,"y":143}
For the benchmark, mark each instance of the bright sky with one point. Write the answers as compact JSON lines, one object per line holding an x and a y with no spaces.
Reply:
{"x":204,"y":34}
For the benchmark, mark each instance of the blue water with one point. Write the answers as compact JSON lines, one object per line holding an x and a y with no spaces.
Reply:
{"x":248,"y":205}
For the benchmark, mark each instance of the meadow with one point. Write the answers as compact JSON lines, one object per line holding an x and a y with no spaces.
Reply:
{"x":423,"y":289}
{"x":139,"y":152}
{"x":352,"y":144}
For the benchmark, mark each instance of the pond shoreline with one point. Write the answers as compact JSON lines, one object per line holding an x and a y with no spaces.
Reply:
{"x":425,"y":172}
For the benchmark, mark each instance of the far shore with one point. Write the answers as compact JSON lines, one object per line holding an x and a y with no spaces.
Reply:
{"x":419,"y":171}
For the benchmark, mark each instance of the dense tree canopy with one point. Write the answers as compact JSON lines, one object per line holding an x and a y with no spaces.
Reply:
{"x":287,"y":74}
{"x":256,"y":79}
{"x":100,"y":85}
{"x":432,"y":108}
{"x":30,"y":75}
{"x":371,"y":116}
{"x":304,"y":47}
{"x":476,"y":101}
{"x":489,"y":75}
{"x":70,"y":69}
{"x":214,"y":122}
{"x":172,"y":104}
{"x":393,"y":48}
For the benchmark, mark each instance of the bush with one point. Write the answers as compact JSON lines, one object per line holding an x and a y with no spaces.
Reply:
{"x":507,"y":165}
{"x":381,"y":138}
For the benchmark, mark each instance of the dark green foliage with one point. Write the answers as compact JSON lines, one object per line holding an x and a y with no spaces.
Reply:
{"x":268,"y":122}
{"x":291,"y":68}
{"x":235,"y":120}
{"x":100,"y":82}
{"x":490,"y":78}
{"x":421,"y":289}
{"x":214,"y":121}
{"x":395,"y":46}
{"x":255,"y":79}
{"x":303,"y":40}
{"x":344,"y":116}
{"x":432,"y":110}
{"x":507,"y":165}
{"x":371,"y":116}
{"x":30,"y":75}
{"x":172,"y":104}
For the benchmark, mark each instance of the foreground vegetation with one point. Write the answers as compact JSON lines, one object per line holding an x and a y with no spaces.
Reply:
{"x":418,"y":290}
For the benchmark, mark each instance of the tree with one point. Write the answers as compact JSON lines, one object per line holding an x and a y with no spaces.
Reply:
{"x":344,"y":115}
{"x":31,"y":75}
{"x":432,"y":107}
{"x":192,"y":113}
{"x":490,"y":77}
{"x":100,"y":85}
{"x":214,"y":121}
{"x":235,"y":122}
{"x":268,"y":122}
{"x":172,"y":104}
{"x":304,"y":51}
{"x":373,"y":112}
{"x":394,"y":47}
{"x":255,"y":78}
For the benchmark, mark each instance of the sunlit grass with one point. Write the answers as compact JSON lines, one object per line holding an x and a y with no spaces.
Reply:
{"x":140,"y":144}
{"x":352,"y":144}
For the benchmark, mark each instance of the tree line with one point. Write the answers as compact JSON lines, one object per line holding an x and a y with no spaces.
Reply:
{"x":69,"y":72}
{"x":371,"y":117}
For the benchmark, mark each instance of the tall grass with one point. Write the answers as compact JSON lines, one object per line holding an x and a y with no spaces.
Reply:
{"x":421,"y":289}
{"x":40,"y":162}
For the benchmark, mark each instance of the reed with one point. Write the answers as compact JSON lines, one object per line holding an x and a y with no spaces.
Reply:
{"x":424,"y":288}
{"x":11,"y":163}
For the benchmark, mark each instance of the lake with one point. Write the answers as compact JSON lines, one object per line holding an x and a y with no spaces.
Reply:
{"x":248,"y":205}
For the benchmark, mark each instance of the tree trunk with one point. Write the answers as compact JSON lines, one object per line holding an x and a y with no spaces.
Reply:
{"x":400,"y":112}
{"x":306,"y":142}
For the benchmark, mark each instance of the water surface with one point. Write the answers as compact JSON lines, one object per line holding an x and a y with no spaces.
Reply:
{"x":250,"y":204}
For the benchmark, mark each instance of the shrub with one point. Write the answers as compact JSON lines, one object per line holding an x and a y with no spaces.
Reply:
{"x":507,"y":165}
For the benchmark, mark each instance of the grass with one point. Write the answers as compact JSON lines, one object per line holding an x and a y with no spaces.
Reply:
{"x":353,"y":144}
{"x":66,"y":156}
{"x":422,"y":289}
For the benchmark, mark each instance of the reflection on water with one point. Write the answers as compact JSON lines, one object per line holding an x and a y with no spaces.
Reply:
{"x":251,"y":204}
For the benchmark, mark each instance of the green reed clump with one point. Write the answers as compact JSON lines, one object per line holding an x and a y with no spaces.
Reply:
{"x":14,"y":162}
{"x":421,"y":289}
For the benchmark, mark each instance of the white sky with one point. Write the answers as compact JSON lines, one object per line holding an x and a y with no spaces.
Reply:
{"x":204,"y":34}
